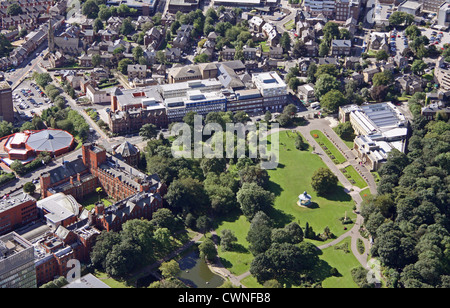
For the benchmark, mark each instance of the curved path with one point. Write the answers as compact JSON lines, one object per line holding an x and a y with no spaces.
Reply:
{"x":324,"y":126}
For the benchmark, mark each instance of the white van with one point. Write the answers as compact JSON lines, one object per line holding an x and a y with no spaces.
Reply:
{"x":315,"y":105}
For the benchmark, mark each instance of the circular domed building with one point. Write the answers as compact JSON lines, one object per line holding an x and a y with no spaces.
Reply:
{"x":27,"y":145}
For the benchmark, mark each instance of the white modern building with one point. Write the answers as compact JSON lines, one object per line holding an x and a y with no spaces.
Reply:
{"x":380,"y":128}
{"x":273,"y":89}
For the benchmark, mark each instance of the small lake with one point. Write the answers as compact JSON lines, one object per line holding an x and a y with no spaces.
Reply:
{"x":196,"y":273}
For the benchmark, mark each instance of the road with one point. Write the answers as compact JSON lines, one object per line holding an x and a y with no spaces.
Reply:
{"x":31,"y":64}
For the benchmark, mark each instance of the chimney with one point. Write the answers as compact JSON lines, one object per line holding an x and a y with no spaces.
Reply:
{"x":78,"y":177}
{"x":71,"y":180}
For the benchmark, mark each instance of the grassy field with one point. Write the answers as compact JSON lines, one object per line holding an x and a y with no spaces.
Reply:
{"x":264,"y":46}
{"x":352,"y":174}
{"x":291,"y":178}
{"x":331,"y":150}
{"x":90,"y":200}
{"x":344,"y":261}
{"x":365,"y":194}
{"x":290,"y":25}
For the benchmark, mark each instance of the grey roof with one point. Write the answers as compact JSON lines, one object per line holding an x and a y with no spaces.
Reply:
{"x":70,"y":168}
{"x":50,"y":140}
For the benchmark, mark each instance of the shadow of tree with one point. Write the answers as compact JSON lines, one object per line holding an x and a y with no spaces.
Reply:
{"x":338,"y":194}
{"x":275,"y":188}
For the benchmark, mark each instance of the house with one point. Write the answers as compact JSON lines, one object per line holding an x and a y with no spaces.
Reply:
{"x":275,"y":52}
{"x":227,"y":54}
{"x":379,"y":41}
{"x":137,"y":71}
{"x":255,"y":24}
{"x":249,"y":53}
{"x":410,"y":84}
{"x":341,"y":47}
{"x":153,"y":36}
{"x":306,"y":94}
{"x":430,"y":111}
{"x":352,"y":62}
{"x":173,"y":54}
{"x":400,"y":61}
{"x":368,"y":73}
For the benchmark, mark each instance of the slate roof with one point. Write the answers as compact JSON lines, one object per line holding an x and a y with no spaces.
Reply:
{"x":68,"y":169}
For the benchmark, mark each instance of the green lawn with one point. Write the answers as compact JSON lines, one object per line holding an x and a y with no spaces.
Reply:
{"x":365,"y":194}
{"x":328,"y":147}
{"x":290,"y":25}
{"x":89,"y":201}
{"x":291,"y":178}
{"x":352,"y":174}
{"x":264,"y":46}
{"x":238,"y":260}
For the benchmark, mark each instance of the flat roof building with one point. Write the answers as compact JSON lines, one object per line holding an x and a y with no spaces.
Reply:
{"x":379,"y":128}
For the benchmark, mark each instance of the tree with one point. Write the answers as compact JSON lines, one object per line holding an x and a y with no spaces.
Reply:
{"x":259,"y":234}
{"x":418,"y":67}
{"x":126,"y":27}
{"x":285,"y":262}
{"x":324,"y":181}
{"x":268,"y":116}
{"x":300,"y":144}
{"x":29,"y":188}
{"x":324,"y":84}
{"x":201,"y":58}
{"x":382,"y":55}
{"x":14,"y":9}
{"x":123,"y":65}
{"x":285,"y":42}
{"x":324,"y":49}
{"x":378,"y":93}
{"x":169,"y":269}
{"x":96,"y":60}
{"x":43,"y":79}
{"x":382,"y":79}
{"x":227,"y":239}
{"x":345,"y":131}
{"x":164,"y":218}
{"x":299,"y":49}
{"x":137,"y":52}
{"x":6,"y":128}
{"x":188,"y":195}
{"x":98,"y":25}
{"x":332,"y":100}
{"x":90,"y":9}
{"x":207,"y":250}
{"x":18,"y":167}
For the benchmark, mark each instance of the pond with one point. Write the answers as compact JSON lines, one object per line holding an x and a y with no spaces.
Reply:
{"x":196,"y":273}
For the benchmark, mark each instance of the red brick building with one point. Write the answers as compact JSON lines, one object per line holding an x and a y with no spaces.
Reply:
{"x":95,"y":169}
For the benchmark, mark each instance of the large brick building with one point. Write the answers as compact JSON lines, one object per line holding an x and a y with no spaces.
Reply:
{"x":95,"y":169}
{"x":16,"y":211}
{"x":74,"y":234}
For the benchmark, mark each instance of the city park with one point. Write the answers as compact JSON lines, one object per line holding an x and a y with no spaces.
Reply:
{"x":296,"y":200}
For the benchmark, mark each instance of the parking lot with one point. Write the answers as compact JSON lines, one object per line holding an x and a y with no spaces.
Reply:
{"x":29,"y":100}
{"x":439,"y":38}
